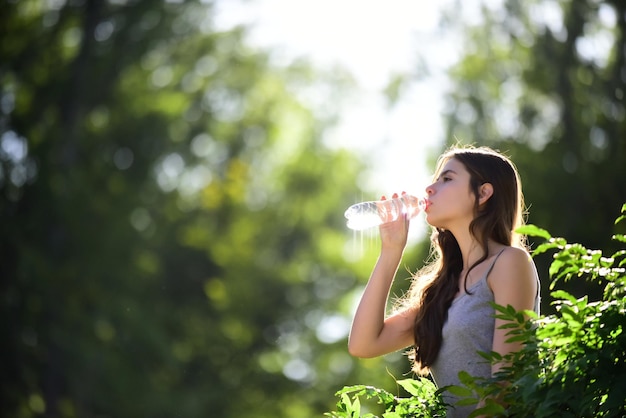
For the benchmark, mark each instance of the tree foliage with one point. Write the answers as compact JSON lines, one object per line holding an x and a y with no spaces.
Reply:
{"x":170,"y":244}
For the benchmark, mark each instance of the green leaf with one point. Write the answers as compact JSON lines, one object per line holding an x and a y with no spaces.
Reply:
{"x":531,"y":314}
{"x":345,"y":403}
{"x":533,"y":231}
{"x":517,"y":338}
{"x":509,"y":325}
{"x":555,"y":267}
{"x":492,"y":356}
{"x":562,"y":294}
{"x":350,"y":389}
{"x":542,"y":248}
{"x":619,"y":237}
{"x":466,"y":378}
{"x":411,"y":386}
{"x":570,"y":314}
{"x":356,"y":408}
{"x":466,"y":402}
{"x":460,"y":391}
{"x":491,"y":409}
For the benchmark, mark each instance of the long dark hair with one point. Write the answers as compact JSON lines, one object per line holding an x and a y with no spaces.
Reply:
{"x":433,"y":288}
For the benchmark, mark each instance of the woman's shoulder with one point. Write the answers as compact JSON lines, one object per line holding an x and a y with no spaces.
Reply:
{"x":510,"y":254}
{"x":514,"y":280}
{"x":513,"y":264}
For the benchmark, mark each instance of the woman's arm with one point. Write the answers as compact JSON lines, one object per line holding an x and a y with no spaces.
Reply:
{"x":513,"y":282}
{"x":372,"y":334}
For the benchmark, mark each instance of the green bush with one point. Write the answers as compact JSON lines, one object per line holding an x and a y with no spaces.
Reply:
{"x":424,"y":401}
{"x":573,"y":363}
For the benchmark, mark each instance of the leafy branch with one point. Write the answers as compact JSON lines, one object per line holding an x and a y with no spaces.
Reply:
{"x":424,"y":401}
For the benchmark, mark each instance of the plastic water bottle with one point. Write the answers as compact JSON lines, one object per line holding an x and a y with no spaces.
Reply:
{"x":369,"y":214}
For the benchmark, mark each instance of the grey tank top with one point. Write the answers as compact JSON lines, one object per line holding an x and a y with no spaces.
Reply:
{"x":468,"y":330}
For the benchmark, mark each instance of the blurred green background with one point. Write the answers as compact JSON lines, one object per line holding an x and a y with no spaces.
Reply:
{"x":172,"y":241}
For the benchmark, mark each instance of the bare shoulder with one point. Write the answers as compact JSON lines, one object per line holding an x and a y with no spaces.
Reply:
{"x":514,"y":257}
{"x":514,"y":272}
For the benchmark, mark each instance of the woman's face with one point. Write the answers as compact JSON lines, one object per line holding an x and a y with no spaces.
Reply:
{"x":450,"y":198}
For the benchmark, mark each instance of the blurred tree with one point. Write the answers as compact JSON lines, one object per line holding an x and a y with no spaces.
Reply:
{"x":545,"y":82}
{"x":170,"y":240}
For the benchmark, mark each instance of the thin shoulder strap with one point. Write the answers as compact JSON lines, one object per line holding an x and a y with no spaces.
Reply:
{"x":494,"y":262}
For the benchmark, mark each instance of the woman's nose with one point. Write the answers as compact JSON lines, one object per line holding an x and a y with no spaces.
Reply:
{"x":429,"y":190}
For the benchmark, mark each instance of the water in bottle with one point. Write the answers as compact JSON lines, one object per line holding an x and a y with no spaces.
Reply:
{"x":369,"y":214}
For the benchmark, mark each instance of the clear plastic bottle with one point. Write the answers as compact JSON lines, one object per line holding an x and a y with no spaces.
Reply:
{"x":369,"y":214}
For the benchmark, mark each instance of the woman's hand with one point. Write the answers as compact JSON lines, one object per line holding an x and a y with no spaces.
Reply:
{"x":394,"y":234}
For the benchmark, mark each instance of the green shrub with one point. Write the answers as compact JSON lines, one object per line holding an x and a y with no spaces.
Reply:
{"x":424,"y":401}
{"x":573,"y":363}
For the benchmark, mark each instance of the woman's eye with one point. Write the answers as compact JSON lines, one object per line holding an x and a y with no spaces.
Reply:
{"x":445,"y":179}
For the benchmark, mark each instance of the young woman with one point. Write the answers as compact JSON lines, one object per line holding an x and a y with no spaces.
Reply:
{"x":474,"y":206}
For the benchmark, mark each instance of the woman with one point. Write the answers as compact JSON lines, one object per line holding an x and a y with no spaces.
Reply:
{"x":474,"y":206}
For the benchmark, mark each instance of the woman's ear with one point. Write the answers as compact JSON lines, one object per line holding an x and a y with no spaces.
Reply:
{"x":485,"y":192}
